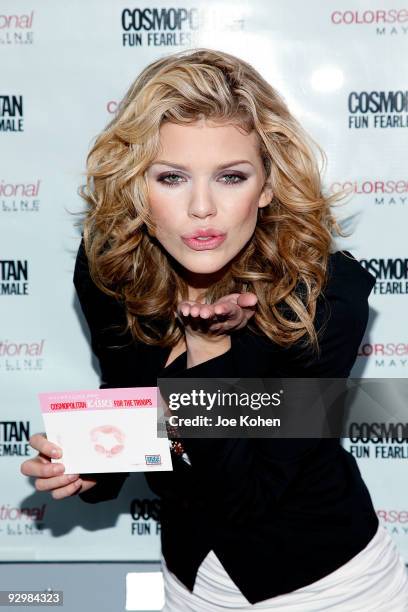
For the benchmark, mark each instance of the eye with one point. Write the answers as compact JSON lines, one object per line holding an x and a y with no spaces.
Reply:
{"x":167,"y":179}
{"x":172,"y":179}
{"x":233,"y":178}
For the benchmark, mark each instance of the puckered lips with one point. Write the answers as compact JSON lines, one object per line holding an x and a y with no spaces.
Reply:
{"x":204,"y":238}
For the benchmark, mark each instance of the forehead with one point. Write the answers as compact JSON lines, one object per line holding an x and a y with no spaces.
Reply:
{"x":205,"y":137}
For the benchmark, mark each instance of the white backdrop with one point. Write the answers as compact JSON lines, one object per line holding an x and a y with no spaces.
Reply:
{"x":341,"y":67}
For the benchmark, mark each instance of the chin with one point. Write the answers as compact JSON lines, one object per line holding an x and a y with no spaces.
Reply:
{"x":203,"y":267}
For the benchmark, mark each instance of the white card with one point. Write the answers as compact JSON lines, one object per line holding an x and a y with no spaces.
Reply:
{"x":106,"y":430}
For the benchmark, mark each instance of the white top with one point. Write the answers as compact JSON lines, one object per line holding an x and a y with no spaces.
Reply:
{"x":375,"y":580}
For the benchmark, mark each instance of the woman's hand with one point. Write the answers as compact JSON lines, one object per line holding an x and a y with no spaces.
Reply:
{"x":50,"y":476}
{"x":210,"y":321}
{"x":207,"y":327}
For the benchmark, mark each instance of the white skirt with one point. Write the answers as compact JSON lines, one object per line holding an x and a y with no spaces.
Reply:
{"x":374,"y":580}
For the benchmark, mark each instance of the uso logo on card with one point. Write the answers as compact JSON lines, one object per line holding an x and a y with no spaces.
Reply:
{"x":153,"y":459}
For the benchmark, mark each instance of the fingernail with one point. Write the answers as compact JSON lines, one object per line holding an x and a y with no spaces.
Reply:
{"x":55,"y":452}
{"x":57,"y":469}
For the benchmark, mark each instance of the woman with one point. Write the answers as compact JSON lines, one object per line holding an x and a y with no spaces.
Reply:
{"x":206,"y":252}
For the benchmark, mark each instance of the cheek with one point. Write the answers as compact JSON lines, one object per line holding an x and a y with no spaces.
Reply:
{"x":167,"y":223}
{"x":162,"y":210}
{"x":242,"y":199}
{"x":244,"y":210}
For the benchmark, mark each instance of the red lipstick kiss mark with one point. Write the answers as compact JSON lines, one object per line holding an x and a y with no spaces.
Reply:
{"x":104,"y":434}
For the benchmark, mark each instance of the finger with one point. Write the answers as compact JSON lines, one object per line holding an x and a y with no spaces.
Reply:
{"x":224,"y":307}
{"x":194,"y":310}
{"x":201,"y":310}
{"x":40,"y":443}
{"x":67,"y":491}
{"x":41,"y":469}
{"x":43,"y":459}
{"x":247,"y":299}
{"x":197,"y":309}
{"x":48,"y":484}
{"x":206,"y":311}
{"x":241,"y":299}
{"x":183,"y":308}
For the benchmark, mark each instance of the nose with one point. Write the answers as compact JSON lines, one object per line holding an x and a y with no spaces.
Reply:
{"x":202,"y":203}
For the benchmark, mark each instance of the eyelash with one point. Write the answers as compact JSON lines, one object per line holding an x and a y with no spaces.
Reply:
{"x":162,"y":178}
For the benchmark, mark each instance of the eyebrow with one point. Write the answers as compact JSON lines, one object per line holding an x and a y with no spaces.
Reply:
{"x":220,"y":167}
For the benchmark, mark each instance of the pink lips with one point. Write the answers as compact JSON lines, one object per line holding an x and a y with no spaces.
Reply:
{"x":213,"y":238}
{"x":204,"y":231}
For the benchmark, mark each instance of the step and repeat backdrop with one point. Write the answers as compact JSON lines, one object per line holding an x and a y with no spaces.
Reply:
{"x":340,"y":65}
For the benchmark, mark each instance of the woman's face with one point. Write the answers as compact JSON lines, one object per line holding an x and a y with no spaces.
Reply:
{"x":206,"y":176}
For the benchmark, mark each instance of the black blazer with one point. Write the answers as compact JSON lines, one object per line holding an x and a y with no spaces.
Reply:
{"x":278,"y":513}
